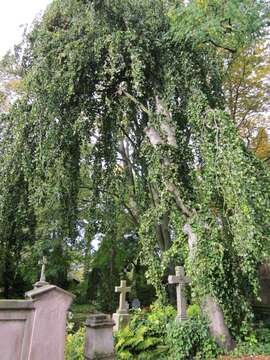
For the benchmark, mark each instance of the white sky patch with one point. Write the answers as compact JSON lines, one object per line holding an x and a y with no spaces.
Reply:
{"x":14,"y":15}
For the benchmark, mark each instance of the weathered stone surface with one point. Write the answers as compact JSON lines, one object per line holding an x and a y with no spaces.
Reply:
{"x":120,"y":320}
{"x":99,"y":337}
{"x":42,"y":281}
{"x":34,"y":329}
{"x":180,"y":280}
{"x":136,"y":304}
{"x":121,"y":317}
{"x":49,"y":328}
{"x":16,"y":323}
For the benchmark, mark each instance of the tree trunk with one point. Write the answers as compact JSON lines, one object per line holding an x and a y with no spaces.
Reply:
{"x":210,"y":306}
{"x":217,"y":326}
{"x":212,"y":309}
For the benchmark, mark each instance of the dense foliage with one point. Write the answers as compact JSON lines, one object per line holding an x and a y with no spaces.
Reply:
{"x":122,"y":139}
{"x":154,"y":334}
{"x":75,"y":345}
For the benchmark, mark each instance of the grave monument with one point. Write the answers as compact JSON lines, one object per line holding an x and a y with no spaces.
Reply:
{"x":121,"y":317}
{"x":180,"y":280}
{"x":34,"y":329}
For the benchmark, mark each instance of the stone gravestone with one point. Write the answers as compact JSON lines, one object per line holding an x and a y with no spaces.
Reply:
{"x":16,"y":324}
{"x":180,"y":280}
{"x":34,"y":329}
{"x":136,"y":304}
{"x":99,"y":337}
{"x":121,"y":317}
{"x":49,"y":328}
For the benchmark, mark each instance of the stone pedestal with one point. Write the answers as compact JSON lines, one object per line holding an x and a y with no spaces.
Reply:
{"x":121,"y":320}
{"x":99,"y":338}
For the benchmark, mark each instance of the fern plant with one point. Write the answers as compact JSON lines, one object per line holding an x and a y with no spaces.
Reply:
{"x":145,"y":337}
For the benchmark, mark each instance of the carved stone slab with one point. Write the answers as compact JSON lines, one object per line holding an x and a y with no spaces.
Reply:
{"x":16,"y":322}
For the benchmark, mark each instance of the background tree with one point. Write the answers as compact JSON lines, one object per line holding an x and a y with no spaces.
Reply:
{"x":122,"y":136}
{"x":247,"y":89}
{"x":261,"y":145}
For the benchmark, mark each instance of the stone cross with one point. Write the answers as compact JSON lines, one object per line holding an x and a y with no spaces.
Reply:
{"x":43,"y":262}
{"x":180,"y":280}
{"x":42,"y":281}
{"x":122,"y":289}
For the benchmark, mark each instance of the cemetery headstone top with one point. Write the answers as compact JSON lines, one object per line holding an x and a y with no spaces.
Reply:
{"x":35,"y":328}
{"x":42,"y":281}
{"x":123,"y":290}
{"x":121,"y":317}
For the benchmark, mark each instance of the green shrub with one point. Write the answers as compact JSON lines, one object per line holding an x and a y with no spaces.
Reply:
{"x":194,"y":311}
{"x":155,"y":335}
{"x":256,"y":343}
{"x":191,"y":340}
{"x":75,"y":345}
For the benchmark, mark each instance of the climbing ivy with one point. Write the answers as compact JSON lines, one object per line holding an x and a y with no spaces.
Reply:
{"x":122,"y":133}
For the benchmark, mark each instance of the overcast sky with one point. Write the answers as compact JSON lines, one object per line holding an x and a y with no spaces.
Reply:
{"x":13,"y":14}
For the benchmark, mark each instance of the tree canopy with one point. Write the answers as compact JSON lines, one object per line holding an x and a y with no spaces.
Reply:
{"x":122,"y":136}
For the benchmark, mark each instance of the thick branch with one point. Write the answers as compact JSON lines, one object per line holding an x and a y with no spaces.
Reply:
{"x":179,"y":202}
{"x":192,"y":238}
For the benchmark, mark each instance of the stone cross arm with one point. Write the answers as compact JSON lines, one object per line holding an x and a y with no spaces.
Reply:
{"x":179,"y":277}
{"x":42,"y":281}
{"x":123,"y":287}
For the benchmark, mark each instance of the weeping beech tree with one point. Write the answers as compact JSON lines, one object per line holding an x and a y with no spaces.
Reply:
{"x":123,"y":125}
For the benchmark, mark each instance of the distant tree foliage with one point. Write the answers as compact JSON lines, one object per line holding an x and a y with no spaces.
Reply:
{"x":247,"y":88}
{"x":261,"y":145}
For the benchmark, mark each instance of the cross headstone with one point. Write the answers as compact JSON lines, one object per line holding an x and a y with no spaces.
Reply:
{"x":42,"y":281}
{"x":123,"y":290}
{"x":43,"y":262}
{"x":121,"y":317}
{"x":180,"y":280}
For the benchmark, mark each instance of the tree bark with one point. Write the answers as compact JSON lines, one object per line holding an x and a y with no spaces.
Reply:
{"x":210,"y":306}
{"x":217,"y":326}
